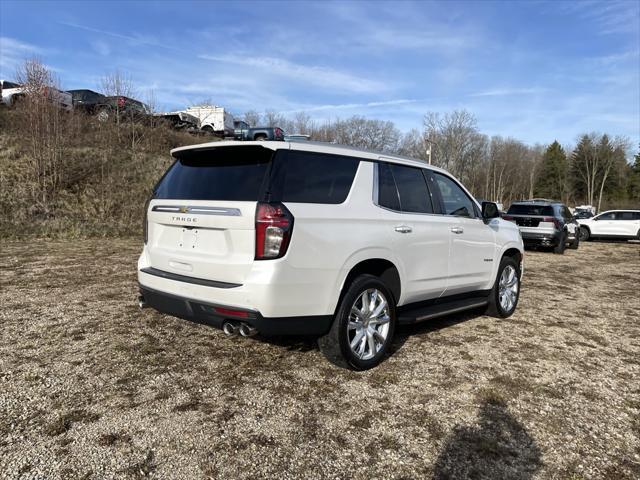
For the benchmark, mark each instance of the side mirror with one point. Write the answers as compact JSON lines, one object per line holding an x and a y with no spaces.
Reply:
{"x":490,"y":210}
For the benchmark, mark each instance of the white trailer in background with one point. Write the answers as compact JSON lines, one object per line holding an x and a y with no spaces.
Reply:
{"x":212,"y":119}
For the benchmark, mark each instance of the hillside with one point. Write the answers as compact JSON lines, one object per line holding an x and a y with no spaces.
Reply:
{"x":68,"y":175}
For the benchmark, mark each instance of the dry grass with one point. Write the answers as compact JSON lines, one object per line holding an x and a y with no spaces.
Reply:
{"x":91,"y":387}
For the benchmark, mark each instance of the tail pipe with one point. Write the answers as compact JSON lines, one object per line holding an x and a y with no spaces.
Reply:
{"x":230,"y":328}
{"x":247,"y":330}
{"x":142,"y":303}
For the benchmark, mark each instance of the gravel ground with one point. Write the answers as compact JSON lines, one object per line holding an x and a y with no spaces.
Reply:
{"x":92,"y":387}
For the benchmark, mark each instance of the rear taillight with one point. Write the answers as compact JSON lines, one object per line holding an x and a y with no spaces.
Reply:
{"x":509,"y":218}
{"x":553,"y":220}
{"x":274,"y":224}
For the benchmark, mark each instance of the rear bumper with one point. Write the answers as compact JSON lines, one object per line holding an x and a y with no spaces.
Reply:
{"x":206,"y":313}
{"x":550,"y":239}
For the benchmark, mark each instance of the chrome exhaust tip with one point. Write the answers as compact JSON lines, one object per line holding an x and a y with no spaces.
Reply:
{"x":229,"y":328}
{"x":247,"y":330}
{"x":142,"y":303}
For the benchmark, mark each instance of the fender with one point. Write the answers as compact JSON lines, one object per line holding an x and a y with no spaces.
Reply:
{"x":367,"y":253}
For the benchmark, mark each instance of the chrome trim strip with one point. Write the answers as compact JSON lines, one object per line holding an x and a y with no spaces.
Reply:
{"x":223,"y":211}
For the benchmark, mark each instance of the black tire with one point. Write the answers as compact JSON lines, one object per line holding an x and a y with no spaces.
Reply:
{"x":335,"y":345}
{"x":562,"y":244}
{"x":585,"y":234}
{"x":494,"y":307}
{"x":576,"y":242}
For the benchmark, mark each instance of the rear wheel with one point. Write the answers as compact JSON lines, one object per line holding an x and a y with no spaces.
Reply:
{"x":562,"y":244}
{"x":363,"y":327}
{"x":585,"y":234}
{"x":505,"y":293}
{"x":261,"y":138}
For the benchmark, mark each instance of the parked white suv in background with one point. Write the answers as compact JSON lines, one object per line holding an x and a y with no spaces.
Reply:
{"x":614,"y":224}
{"x":307,"y":238}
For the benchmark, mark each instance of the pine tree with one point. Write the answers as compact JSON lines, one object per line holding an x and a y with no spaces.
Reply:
{"x":552,"y":179}
{"x":634,"y":180}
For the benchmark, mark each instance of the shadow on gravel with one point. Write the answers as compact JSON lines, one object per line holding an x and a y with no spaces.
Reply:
{"x":403,"y":332}
{"x":497,"y":447}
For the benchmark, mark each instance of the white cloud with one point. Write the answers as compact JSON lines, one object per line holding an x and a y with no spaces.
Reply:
{"x":502,"y":92}
{"x":324,"y":77}
{"x":13,"y":52}
{"x":101,"y":47}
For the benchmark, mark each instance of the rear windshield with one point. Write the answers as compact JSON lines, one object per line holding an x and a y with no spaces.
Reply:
{"x":544,"y":210}
{"x":253,"y":173}
{"x":232,"y":173}
{"x":10,"y":85}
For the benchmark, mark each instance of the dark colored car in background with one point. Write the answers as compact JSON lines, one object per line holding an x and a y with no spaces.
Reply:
{"x":545,"y":223}
{"x":583,"y":215}
{"x":259,"y":133}
{"x":88,"y":101}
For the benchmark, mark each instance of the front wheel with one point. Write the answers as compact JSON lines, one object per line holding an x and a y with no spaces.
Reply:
{"x":585,"y":234}
{"x":363,"y":327}
{"x":505,"y":293}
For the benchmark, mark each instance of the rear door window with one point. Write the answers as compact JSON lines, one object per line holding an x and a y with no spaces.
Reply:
{"x":231,"y":173}
{"x":403,"y":188}
{"x":310,"y":177}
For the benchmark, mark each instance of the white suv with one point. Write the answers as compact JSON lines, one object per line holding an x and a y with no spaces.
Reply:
{"x":619,"y":224}
{"x":307,"y":238}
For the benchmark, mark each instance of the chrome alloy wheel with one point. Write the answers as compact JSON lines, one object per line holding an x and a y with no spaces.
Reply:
{"x":368,"y":325}
{"x":508,"y":288}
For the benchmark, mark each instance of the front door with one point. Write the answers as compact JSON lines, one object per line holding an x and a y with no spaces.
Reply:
{"x":472,"y":251}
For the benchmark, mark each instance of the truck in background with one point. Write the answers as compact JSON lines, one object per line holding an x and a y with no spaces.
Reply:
{"x":212,"y":119}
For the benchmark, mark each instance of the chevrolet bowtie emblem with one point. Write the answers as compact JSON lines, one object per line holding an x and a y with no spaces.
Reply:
{"x":184,"y":209}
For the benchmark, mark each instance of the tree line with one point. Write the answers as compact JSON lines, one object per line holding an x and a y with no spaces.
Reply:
{"x":69,"y":174}
{"x":595,"y":171}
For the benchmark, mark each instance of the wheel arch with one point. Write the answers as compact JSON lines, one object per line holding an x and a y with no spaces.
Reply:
{"x":378,"y":267}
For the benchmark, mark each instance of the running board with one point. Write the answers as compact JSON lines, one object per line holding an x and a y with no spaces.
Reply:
{"x":417,"y":315}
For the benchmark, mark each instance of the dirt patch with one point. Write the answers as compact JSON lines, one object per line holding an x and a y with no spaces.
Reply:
{"x":92,"y":387}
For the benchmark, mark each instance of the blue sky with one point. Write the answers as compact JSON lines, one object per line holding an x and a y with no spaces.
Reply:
{"x":536,"y":71}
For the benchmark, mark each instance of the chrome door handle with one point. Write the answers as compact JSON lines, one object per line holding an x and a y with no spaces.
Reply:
{"x":404,"y":229}
{"x":457,"y":230}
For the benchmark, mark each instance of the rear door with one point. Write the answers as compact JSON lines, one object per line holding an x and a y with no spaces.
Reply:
{"x":420,"y":238}
{"x":628,"y":223}
{"x":201,"y":219}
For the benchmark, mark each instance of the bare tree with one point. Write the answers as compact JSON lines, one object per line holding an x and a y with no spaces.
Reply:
{"x":117,"y":84}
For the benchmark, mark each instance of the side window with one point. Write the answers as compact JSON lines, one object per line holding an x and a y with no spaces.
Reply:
{"x":625,"y":216}
{"x":388,"y":196}
{"x":412,"y":188}
{"x":456,"y":201}
{"x":636,"y":215}
{"x":318,"y":178}
{"x":607,"y":216}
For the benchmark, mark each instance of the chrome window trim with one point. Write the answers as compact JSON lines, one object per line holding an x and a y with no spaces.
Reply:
{"x":196,"y":209}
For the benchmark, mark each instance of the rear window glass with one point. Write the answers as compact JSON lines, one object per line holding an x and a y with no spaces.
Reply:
{"x":234,"y":173}
{"x":10,"y":85}
{"x":388,"y":196}
{"x":544,"y":210}
{"x":317,"y":178}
